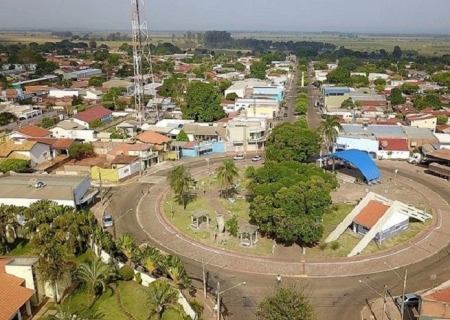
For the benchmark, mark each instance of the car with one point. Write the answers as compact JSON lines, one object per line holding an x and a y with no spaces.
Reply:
{"x":239,"y":157}
{"x":411,"y":300}
{"x":108,"y":221}
{"x":256,"y":158}
{"x":39,"y":184}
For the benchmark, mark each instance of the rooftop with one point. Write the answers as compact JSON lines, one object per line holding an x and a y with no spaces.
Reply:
{"x":92,"y":114}
{"x":370,"y":214}
{"x":394,"y":144}
{"x":152,"y":137}
{"x":34,"y":131}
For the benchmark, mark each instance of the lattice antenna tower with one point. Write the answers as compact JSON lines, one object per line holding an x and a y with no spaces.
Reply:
{"x":141,"y":51}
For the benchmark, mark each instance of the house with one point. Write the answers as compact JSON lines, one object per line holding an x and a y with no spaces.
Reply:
{"x":393,"y":149}
{"x":434,"y":303}
{"x":422,"y":121}
{"x":159,"y":142}
{"x":72,"y":130}
{"x":32,"y":151}
{"x":143,"y":151}
{"x":16,"y":297}
{"x":130,"y":127}
{"x":93,"y":94}
{"x":60,"y":93}
{"x":257,"y":108}
{"x":30,"y":131}
{"x":92,"y":115}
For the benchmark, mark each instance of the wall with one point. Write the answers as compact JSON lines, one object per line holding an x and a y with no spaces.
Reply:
{"x":82,"y":189}
{"x":63,"y":93}
{"x":189,"y":153}
{"x":362,"y":144}
{"x":85,"y":135}
{"x":28,"y":202}
{"x":26,"y":273}
{"x":218,"y":147}
{"x":110,"y":175}
{"x":394,"y":230}
{"x":81,"y":123}
{"x":431,"y":308}
{"x":428,"y":124}
{"x":128,"y":170}
{"x":383,"y":154}
{"x":39,"y":153}
{"x":61,"y":286}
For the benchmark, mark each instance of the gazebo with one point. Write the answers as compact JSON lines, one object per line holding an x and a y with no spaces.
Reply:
{"x":198,"y":216}
{"x":250,"y":232}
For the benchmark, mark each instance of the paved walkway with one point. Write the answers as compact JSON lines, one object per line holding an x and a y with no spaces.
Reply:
{"x":153,"y":221}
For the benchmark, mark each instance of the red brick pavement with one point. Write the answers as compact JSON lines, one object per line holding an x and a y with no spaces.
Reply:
{"x":154,"y":222}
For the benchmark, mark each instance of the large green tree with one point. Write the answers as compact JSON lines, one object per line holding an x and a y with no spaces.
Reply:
{"x":289,"y":200}
{"x":180,"y":181}
{"x":202,"y":103}
{"x":396,"y":97}
{"x":285,"y":303}
{"x":96,"y":275}
{"x":258,"y":70}
{"x":16,"y":165}
{"x":80,"y":150}
{"x":340,"y":75}
{"x":290,"y":141}
{"x":429,"y":100}
{"x":182,"y":136}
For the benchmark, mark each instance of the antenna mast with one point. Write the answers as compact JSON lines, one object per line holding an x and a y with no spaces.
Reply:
{"x":141,"y":50}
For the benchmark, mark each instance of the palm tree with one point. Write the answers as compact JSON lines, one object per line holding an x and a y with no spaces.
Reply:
{"x":127,"y":246}
{"x":180,"y":180}
{"x":96,"y":275}
{"x":227,"y":174}
{"x":150,"y":258}
{"x":329,"y":129}
{"x":8,"y":224}
{"x":174,"y":268}
{"x":161,"y":296}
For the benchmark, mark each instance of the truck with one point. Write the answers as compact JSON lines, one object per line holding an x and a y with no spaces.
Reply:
{"x":440,"y":170}
{"x":416,"y":158}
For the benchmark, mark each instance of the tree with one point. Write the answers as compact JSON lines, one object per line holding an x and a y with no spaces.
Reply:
{"x":79,"y":150}
{"x":396,"y":97}
{"x":161,"y":296}
{"x":96,"y":81}
{"x":101,"y":55}
{"x":397,"y":52}
{"x":202,"y":103}
{"x":348,"y":103}
{"x":329,"y":129}
{"x":289,"y":141}
{"x":8,"y":225}
{"x":76,"y":100}
{"x":258,"y":70}
{"x":180,"y":181}
{"x":16,"y":165}
{"x":232,"y":96}
{"x":95,"y":275}
{"x":441,"y":119}
{"x":182,"y":136}
{"x":64,"y":312}
{"x":285,"y":303}
{"x":409,"y":89}
{"x":6,"y":118}
{"x":227,"y":174}
{"x":290,"y":199}
{"x":47,"y":122}
{"x":127,"y":246}
{"x":429,"y":100}
{"x":340,"y":75}
{"x":224,"y":85}
{"x":45,"y":67}
{"x":150,"y":258}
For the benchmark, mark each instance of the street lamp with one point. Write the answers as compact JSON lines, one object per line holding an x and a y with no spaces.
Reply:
{"x":402,"y":311}
{"x":204,"y":273}
{"x":381,"y":295}
{"x":221,"y":292}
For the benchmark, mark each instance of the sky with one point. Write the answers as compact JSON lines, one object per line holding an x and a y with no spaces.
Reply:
{"x":361,"y":16}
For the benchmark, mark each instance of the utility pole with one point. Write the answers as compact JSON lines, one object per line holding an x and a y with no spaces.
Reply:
{"x":100,"y":187}
{"x":403,"y":293}
{"x":384,"y":302}
{"x":218,"y":300}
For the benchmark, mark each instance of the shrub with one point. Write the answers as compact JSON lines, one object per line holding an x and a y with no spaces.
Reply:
{"x":232,"y":226}
{"x":137,"y":277}
{"x":197,"y":306}
{"x":323,"y":246}
{"x":126,"y":273}
{"x":335,"y":245}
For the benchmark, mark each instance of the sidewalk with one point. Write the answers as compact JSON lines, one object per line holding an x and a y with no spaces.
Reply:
{"x":153,"y":221}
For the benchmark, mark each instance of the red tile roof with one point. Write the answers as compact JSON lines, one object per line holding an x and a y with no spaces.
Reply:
{"x":152,"y":137}
{"x":13,"y":294}
{"x":370,"y":214}
{"x":124,"y":148}
{"x":394,"y":144}
{"x":440,"y":295}
{"x":92,"y":114}
{"x":62,"y":143}
{"x":34,"y":131}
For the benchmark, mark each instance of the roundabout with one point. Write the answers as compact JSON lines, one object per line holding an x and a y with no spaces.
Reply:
{"x":157,"y":225}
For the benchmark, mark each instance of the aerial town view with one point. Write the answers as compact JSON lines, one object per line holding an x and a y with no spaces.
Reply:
{"x":192,"y":160}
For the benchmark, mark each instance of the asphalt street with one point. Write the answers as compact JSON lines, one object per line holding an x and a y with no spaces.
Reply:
{"x":12,"y":126}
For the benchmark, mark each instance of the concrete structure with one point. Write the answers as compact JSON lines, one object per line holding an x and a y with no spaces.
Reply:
{"x":367,"y":144}
{"x":393,"y":149}
{"x":239,"y":87}
{"x":61,"y":93}
{"x":266,"y":92}
{"x":434,"y":303}
{"x":427,"y":121}
{"x":73,"y":130}
{"x":20,"y":190}
{"x":374,"y":76}
{"x":332,"y":97}
{"x":246,"y":134}
{"x":21,"y":149}
{"x":256,"y":108}
{"x":93,"y":114}
{"x":82,"y":74}
{"x":22,"y":112}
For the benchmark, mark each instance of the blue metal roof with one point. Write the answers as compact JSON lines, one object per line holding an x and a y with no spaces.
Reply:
{"x":360,"y":160}
{"x":336,"y":90}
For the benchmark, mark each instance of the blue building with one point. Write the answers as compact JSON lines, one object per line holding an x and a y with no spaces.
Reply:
{"x":274,"y":93}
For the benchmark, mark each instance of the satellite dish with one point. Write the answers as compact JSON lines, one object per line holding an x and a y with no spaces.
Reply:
{"x":384,"y":144}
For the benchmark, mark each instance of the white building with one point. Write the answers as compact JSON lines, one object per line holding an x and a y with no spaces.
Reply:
{"x":246,"y":134}
{"x":239,"y":87}
{"x":320,"y":75}
{"x":20,"y":190}
{"x":72,"y":130}
{"x":367,"y":144}
{"x":61,"y":93}
{"x":375,"y":76}
{"x":256,"y":108}
{"x":93,"y":94}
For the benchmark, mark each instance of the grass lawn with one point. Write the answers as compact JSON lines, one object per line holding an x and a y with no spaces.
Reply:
{"x":133,"y":299}
{"x":240,"y":208}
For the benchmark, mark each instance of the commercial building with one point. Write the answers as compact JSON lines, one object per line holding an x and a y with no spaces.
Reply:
{"x":23,"y":190}
{"x":82,"y":74}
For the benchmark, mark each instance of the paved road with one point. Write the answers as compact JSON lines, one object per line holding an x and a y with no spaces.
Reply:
{"x":34,"y":120}
{"x":346,"y":296}
{"x":312,"y":116}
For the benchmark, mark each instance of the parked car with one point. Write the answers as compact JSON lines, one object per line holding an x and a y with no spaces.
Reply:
{"x":107,"y":221}
{"x":411,"y":300}
{"x":256,"y":158}
{"x":239,"y":157}
{"x":39,"y":184}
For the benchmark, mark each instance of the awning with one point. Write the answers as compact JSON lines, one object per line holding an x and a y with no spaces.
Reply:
{"x":87,"y":197}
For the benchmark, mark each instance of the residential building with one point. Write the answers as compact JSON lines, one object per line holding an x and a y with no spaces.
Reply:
{"x":20,"y":190}
{"x":31,"y":151}
{"x":61,"y":93}
{"x":240,"y":87}
{"x":93,"y":94}
{"x":73,"y":130}
{"x":30,"y":131}
{"x":158,"y":142}
{"x":434,"y":303}
{"x":22,"y":112}
{"x":246,"y":134}
{"x":427,"y":121}
{"x":94,"y":114}
{"x":374,"y":76}
{"x":143,"y":151}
